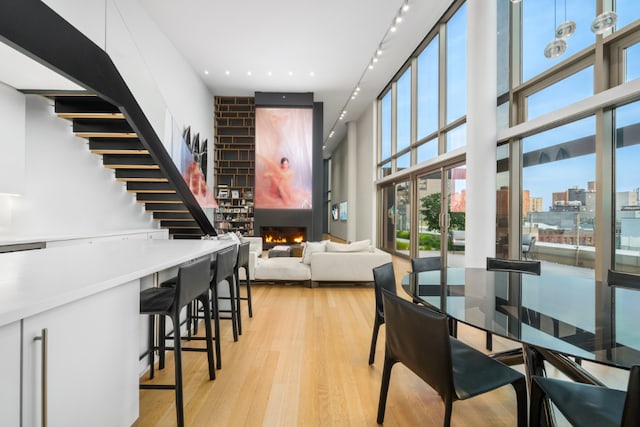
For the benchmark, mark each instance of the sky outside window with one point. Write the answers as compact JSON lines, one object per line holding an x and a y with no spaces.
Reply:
{"x":551,"y":170}
{"x":457,"y":65}
{"x":386,"y":127}
{"x":404,"y":111}
{"x":428,"y":89}
{"x":538,"y":29}
{"x":574,"y":88}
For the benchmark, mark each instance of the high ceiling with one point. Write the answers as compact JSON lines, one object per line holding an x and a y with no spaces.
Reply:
{"x":281,"y":42}
{"x":286,"y":45}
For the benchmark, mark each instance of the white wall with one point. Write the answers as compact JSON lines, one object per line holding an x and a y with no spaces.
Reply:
{"x":339,"y":187}
{"x":12,"y":145}
{"x":345,"y":170}
{"x":67,"y":190}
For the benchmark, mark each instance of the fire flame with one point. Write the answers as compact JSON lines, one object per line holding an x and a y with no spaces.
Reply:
{"x":282,"y":239}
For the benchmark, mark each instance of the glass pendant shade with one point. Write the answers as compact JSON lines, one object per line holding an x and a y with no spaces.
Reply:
{"x":604,"y":22}
{"x":566,"y":29}
{"x":555,"y":48}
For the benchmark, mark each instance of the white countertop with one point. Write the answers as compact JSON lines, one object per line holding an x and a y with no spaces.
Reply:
{"x":14,"y":240}
{"x":38,"y":280}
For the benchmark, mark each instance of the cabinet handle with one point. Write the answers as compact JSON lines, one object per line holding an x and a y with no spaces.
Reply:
{"x":44,"y":340}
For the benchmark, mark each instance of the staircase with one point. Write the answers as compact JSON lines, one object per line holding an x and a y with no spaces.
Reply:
{"x":110,"y":135}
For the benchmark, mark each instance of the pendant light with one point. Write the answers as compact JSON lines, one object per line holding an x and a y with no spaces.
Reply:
{"x":604,"y":22}
{"x":557,"y":46}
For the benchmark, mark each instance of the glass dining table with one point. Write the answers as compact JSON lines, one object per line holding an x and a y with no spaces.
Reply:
{"x":558,"y":317}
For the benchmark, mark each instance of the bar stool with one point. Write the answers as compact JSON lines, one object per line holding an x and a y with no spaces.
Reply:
{"x":192,"y":283}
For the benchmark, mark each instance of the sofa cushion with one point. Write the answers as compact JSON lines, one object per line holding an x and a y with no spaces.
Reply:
{"x":312,"y":247}
{"x":282,"y":268}
{"x":359,"y":246}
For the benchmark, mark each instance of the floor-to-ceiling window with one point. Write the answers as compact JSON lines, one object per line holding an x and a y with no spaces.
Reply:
{"x":561,"y":88}
{"x":434,"y":81}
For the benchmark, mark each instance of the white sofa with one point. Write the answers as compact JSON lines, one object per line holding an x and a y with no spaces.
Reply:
{"x":328,"y":263}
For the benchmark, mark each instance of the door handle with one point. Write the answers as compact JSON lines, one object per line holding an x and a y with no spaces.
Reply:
{"x":45,"y":344}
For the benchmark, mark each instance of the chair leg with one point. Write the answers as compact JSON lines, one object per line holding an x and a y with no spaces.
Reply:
{"x":237,"y":301}
{"x":374,"y":340}
{"x":448,"y":409}
{"x":384,"y":388}
{"x":234,"y":317}
{"x":489,"y":341}
{"x":215,"y":315}
{"x":520,"y":387}
{"x":177,"y":357}
{"x":152,"y":345}
{"x":537,"y":400}
{"x":248,"y":282}
{"x":162,"y":343}
{"x":204,"y":299}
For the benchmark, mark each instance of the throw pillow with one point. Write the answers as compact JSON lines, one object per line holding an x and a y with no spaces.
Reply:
{"x":359,"y":246}
{"x":310,"y":248}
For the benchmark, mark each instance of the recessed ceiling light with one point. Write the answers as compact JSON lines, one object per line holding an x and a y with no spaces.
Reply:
{"x":405,"y":7}
{"x":375,"y":59}
{"x":311,"y":73}
{"x":227,"y":72}
{"x":358,"y":89}
{"x":269,"y":73}
{"x":291,"y":73}
{"x":371,"y":66}
{"x":379,"y":52}
{"x":206,"y":72}
{"x":393,"y":29}
{"x":398,"y":19}
{"x":248,"y":73}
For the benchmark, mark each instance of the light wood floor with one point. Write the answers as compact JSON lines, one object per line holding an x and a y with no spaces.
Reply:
{"x":302,"y":361}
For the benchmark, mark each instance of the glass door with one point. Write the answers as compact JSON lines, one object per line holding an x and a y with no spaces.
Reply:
{"x":441,"y":197}
{"x":456,"y":196}
{"x":396,"y":233}
{"x":430,"y":214}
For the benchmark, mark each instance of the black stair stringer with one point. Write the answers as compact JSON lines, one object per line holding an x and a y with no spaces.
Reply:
{"x":26,"y":26}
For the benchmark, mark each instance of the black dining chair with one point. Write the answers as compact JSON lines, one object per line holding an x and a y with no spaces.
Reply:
{"x":383,"y":278}
{"x":418,"y":337}
{"x":192,"y":283}
{"x":426,"y":264}
{"x":587,"y":405}
{"x":511,"y":265}
{"x":621,"y":279}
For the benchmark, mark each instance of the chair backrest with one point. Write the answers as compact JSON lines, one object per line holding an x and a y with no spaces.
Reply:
{"x":631,"y":412}
{"x":426,"y":264}
{"x":225,"y":263}
{"x":243,"y":255}
{"x":193,"y":281}
{"x":528,"y":239}
{"x":623,"y":280}
{"x":515,"y":265}
{"x":418,"y":337}
{"x":383,"y":278}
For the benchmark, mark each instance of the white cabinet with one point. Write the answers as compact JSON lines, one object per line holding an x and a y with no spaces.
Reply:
{"x":92,"y":356}
{"x":10,"y":375}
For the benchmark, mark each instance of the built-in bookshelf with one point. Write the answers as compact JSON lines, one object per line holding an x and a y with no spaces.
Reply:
{"x":234,"y":167}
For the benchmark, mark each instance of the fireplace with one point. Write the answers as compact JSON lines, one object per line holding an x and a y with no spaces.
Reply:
{"x":272,"y":236}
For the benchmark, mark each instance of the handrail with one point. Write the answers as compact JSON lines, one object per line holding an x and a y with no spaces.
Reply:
{"x":24,"y":25}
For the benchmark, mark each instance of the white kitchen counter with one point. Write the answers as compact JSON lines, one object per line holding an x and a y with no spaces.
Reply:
{"x":18,"y":240}
{"x":32,"y":282}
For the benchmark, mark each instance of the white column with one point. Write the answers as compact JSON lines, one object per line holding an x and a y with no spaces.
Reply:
{"x":481,"y":131}
{"x":352,"y":184}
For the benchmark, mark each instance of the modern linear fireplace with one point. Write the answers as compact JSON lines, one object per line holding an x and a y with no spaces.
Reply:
{"x":272,"y":236}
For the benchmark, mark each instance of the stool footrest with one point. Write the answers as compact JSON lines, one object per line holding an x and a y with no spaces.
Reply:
{"x":157,"y":386}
